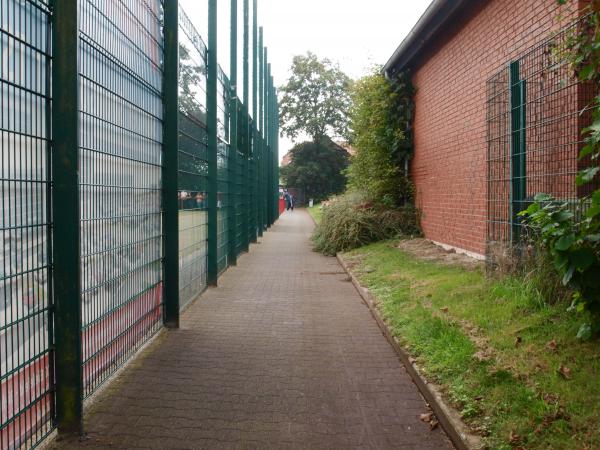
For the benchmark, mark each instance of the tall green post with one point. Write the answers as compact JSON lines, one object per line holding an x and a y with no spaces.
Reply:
{"x":233,"y":136}
{"x":271,"y":147}
{"x":171,"y":164}
{"x":211,"y":127}
{"x":267,"y":136}
{"x":518,"y":151}
{"x":274,"y":148}
{"x":246,"y":124}
{"x":276,"y":142}
{"x":256,"y":155}
{"x":66,"y":269}
{"x":260,"y":125}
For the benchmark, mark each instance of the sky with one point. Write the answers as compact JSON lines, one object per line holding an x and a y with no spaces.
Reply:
{"x":355,"y":34}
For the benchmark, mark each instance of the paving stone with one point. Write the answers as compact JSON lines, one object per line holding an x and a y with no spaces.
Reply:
{"x":283,"y":354}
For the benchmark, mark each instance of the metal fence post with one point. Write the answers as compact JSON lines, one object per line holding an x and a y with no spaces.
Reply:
{"x":259,"y":126}
{"x":211,"y":125}
{"x":66,"y":214}
{"x":246,"y":124}
{"x":266,"y":134}
{"x":233,"y":136}
{"x":256,"y":174}
{"x":518,"y":184}
{"x":276,"y":149}
{"x":171,"y":163}
{"x":273,"y":203}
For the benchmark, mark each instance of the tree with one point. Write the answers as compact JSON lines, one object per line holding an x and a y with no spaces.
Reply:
{"x":381,"y":117}
{"x":317,"y":168}
{"x":315,"y":99}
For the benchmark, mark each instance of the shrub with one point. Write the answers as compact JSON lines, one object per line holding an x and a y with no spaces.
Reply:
{"x":381,"y":121}
{"x":351,"y":221}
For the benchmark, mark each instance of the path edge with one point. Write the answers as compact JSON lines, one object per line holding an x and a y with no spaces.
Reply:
{"x":447,"y":417}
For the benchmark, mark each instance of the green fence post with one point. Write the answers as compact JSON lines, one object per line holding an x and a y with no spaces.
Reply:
{"x":233,"y":135}
{"x":271,"y":146}
{"x":274,"y":149}
{"x":211,"y":127}
{"x":66,"y":215}
{"x":276,"y":142}
{"x":267,"y":136}
{"x":259,"y":126}
{"x":171,"y":164}
{"x":517,"y":149}
{"x":256,"y":174}
{"x":246,"y":124}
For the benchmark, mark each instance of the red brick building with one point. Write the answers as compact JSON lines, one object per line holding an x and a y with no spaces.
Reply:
{"x":454,"y":54}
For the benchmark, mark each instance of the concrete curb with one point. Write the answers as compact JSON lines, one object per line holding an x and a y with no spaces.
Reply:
{"x":448,"y":418}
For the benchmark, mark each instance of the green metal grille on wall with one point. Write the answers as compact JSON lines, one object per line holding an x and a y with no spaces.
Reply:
{"x":124,"y":200}
{"x":536,"y":109}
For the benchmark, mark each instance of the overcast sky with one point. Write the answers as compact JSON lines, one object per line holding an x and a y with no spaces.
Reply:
{"x":357,"y":34}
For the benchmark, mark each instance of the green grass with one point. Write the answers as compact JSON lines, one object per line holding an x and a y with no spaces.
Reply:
{"x":316,"y":212}
{"x":509,"y":387}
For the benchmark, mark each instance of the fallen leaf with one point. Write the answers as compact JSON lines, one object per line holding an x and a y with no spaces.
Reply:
{"x":444,"y":309}
{"x":433,"y":424}
{"x":426,"y":417}
{"x":518,"y":341}
{"x":565,"y":372}
{"x":514,"y":438}
{"x":552,"y":346}
{"x":550,"y":398}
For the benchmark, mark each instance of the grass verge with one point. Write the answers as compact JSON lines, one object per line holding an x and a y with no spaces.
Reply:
{"x":506,"y":360}
{"x":316,"y":212}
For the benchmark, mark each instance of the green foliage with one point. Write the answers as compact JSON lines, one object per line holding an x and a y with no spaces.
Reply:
{"x":350,"y":221}
{"x":315,"y":99}
{"x":574,"y":244}
{"x":381,"y":120}
{"x":571,"y":233}
{"x":317,"y":168}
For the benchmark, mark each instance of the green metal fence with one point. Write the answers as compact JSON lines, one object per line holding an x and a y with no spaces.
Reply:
{"x":536,"y":109}
{"x":125,"y":199}
{"x":25,"y":259}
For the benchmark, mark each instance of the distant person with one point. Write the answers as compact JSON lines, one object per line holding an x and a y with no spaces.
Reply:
{"x":288,"y":200}
{"x":292,"y":201}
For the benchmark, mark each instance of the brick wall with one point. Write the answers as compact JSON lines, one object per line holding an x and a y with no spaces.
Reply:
{"x":449,"y":167}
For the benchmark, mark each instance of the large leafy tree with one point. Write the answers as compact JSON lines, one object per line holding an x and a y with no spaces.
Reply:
{"x":317,"y":168}
{"x":315,"y":100}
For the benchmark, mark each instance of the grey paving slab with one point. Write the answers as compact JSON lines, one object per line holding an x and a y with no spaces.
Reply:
{"x":283,"y":354}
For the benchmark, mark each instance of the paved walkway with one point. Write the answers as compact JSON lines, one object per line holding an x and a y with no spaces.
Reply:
{"x":283,"y":354}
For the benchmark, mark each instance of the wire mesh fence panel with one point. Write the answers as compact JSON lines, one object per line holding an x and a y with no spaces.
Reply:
{"x":193,"y":162}
{"x":536,"y":109}
{"x":120,"y":54}
{"x":239,"y":203}
{"x":241,"y":184}
{"x":222,"y":172}
{"x":26,"y":397}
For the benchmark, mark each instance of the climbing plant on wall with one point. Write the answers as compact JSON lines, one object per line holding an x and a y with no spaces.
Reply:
{"x":381,"y":123}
